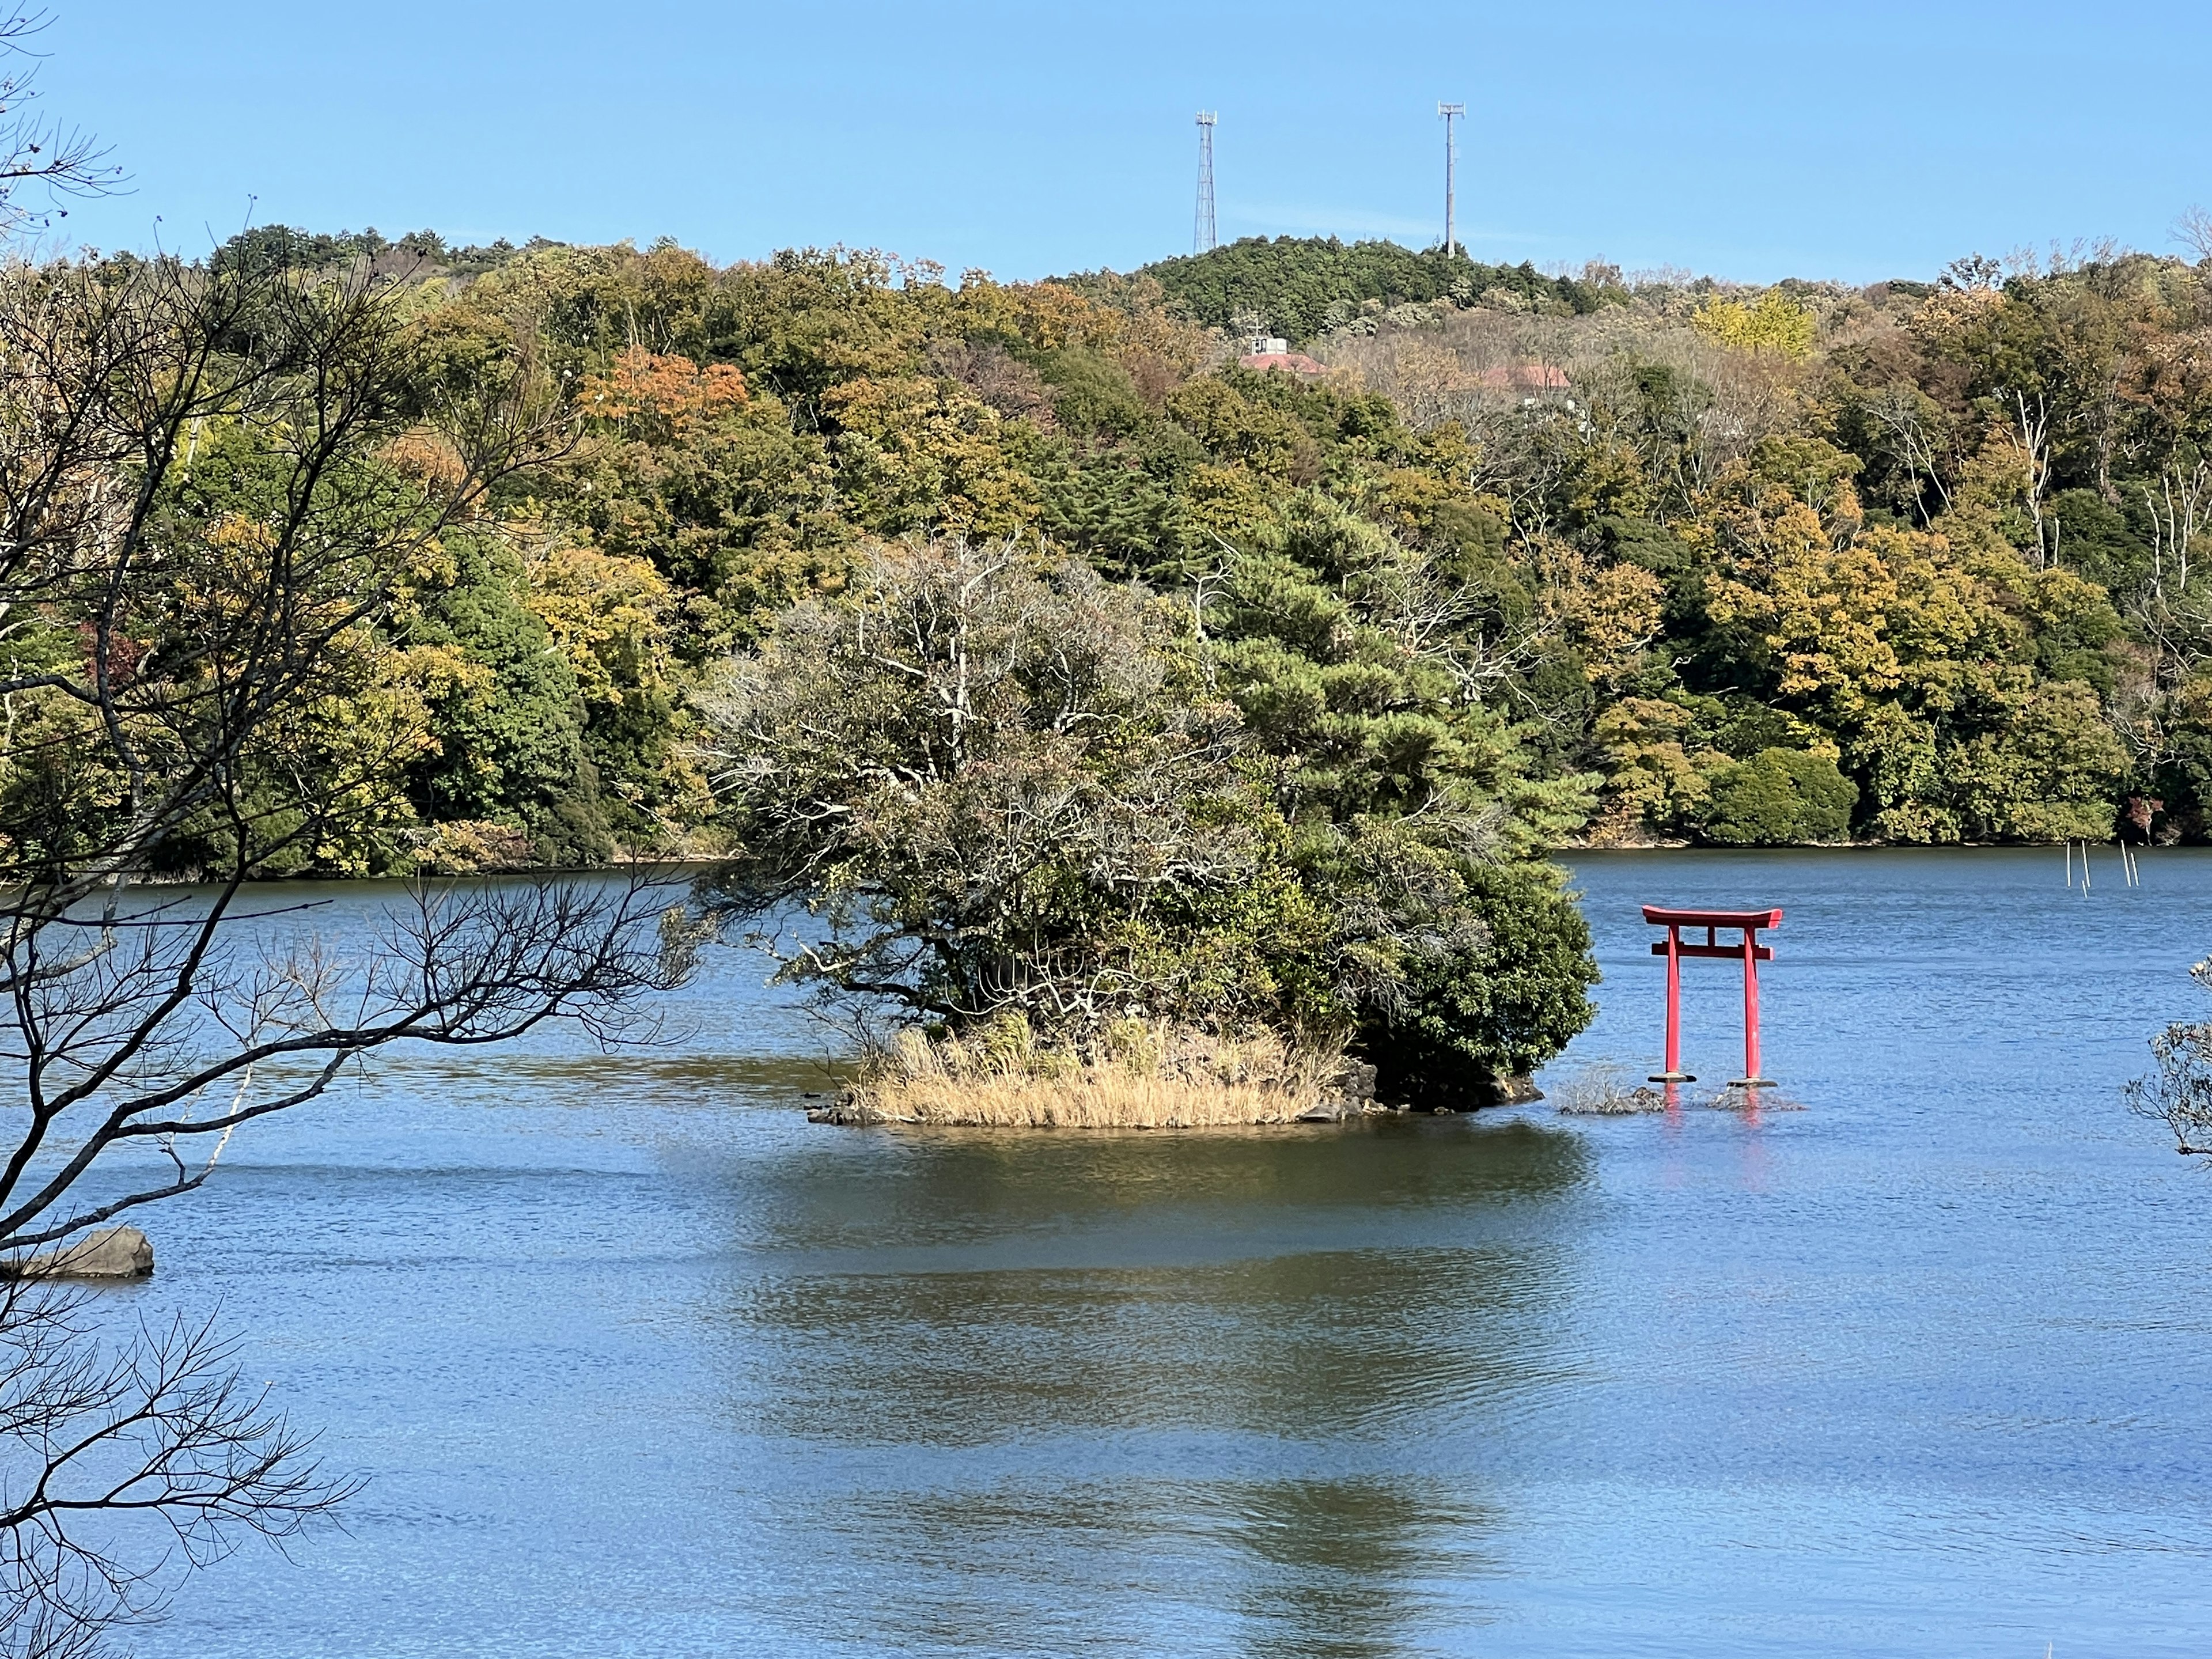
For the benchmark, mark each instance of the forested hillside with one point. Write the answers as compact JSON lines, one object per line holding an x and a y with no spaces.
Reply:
{"x":1915,"y":562}
{"x":1302,"y":287}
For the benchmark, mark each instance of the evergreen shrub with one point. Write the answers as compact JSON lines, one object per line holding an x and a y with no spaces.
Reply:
{"x":1780,"y":798}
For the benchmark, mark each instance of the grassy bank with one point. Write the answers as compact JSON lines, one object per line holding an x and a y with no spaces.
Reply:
{"x":1137,"y":1075}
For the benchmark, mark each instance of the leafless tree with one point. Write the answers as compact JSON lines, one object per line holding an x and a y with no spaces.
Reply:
{"x":2193,"y":230}
{"x":2178,"y":1094}
{"x":42,"y":162}
{"x":210,"y":481}
{"x":960,"y":767}
{"x":2178,"y":514}
{"x":2032,"y":433}
{"x":1910,"y":417}
{"x":162,"y":1441}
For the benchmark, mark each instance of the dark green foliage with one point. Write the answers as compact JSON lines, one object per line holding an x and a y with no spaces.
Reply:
{"x":1294,"y":282}
{"x":1497,"y":1008}
{"x":509,"y":729}
{"x":1780,"y":798}
{"x":1414,"y":804}
{"x":2097,"y":540}
{"x":1092,"y":396}
{"x":571,"y":832}
{"x":1354,"y":853}
{"x":1742,"y":727}
{"x":2182,"y":783}
{"x":282,"y":248}
{"x":1363,"y":724}
{"x":1118,"y":516}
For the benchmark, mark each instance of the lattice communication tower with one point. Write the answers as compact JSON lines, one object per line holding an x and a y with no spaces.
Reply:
{"x":1450,"y":112}
{"x":1202,"y":236}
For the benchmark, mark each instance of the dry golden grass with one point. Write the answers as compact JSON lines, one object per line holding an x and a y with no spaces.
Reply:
{"x":1602,"y":1091}
{"x":1137,"y":1076}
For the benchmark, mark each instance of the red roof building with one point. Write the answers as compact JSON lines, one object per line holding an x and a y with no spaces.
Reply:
{"x":1291,"y":363}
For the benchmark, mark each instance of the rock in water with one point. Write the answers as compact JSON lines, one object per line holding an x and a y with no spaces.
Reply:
{"x":1349,"y":1093}
{"x":1355,"y":1083}
{"x":111,"y":1253}
{"x":1505,"y":1089}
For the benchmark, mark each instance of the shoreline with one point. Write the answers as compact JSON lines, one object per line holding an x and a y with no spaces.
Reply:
{"x":674,"y":870}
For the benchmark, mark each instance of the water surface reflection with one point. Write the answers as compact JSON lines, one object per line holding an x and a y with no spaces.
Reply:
{"x":1191,"y":1371}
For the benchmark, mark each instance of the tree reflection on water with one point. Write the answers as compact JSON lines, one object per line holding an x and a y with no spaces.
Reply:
{"x":1145,"y":1384}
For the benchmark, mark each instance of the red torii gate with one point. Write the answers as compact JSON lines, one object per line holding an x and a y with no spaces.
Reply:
{"x":1749,"y":948}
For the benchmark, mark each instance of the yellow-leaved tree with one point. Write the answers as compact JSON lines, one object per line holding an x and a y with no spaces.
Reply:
{"x":1918,"y":652}
{"x":1772,"y":323}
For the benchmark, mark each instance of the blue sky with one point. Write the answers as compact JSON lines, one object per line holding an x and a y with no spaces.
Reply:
{"x":1754,"y":141}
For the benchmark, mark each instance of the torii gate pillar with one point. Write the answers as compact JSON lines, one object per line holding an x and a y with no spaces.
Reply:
{"x":1749,"y":922}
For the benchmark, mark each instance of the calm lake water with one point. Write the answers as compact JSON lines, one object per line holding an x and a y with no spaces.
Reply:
{"x":642,"y":1362}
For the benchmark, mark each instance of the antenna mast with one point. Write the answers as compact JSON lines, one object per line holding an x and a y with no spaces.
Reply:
{"x":1450,"y":112}
{"x":1202,"y":234}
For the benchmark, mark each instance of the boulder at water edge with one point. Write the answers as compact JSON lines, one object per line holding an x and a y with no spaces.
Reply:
{"x":111,"y":1253}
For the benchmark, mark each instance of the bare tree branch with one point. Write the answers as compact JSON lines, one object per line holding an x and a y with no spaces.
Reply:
{"x":202,"y":525}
